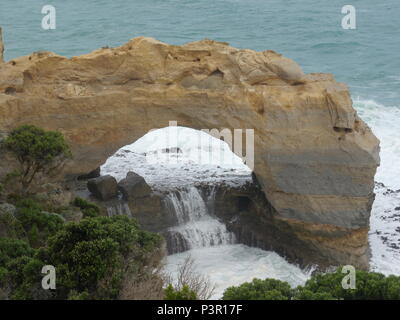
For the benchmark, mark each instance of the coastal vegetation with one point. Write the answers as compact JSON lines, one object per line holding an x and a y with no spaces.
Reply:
{"x":321,"y":286}
{"x":37,"y":152}
{"x":101,"y":257}
{"x":92,"y":254}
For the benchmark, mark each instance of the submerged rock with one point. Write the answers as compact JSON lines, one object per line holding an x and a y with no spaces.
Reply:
{"x":103,"y":188}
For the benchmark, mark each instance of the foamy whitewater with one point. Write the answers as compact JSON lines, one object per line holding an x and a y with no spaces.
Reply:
{"x":385,"y":216}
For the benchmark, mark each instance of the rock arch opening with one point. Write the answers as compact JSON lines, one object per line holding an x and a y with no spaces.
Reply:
{"x":187,"y":171}
{"x":200,"y":192}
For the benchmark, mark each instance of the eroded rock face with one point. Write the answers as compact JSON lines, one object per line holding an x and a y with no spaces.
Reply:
{"x":104,"y":187}
{"x":315,"y":158}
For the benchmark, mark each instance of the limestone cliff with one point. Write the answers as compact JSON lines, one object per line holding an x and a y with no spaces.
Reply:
{"x":314,"y":157}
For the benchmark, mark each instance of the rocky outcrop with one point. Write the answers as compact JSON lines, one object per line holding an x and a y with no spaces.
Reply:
{"x":315,"y":158}
{"x":255,"y":222}
{"x":134,"y":187}
{"x":92,"y":174}
{"x":104,"y":187}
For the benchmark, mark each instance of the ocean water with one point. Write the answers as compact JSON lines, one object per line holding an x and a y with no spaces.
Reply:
{"x":308,"y":31}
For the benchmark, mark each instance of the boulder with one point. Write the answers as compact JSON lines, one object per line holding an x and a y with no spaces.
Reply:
{"x":134,"y":187}
{"x":104,"y":187}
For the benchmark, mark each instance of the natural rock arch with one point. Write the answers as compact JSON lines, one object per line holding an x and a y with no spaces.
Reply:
{"x":314,"y":157}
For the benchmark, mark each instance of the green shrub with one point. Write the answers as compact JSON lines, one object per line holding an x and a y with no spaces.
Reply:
{"x":321,"y":286}
{"x":37,"y":151}
{"x":11,"y":227}
{"x":369,"y":286}
{"x":13,"y":248}
{"x":89,"y":209}
{"x":38,"y":225}
{"x":93,"y":256}
{"x":268,"y":289}
{"x":25,"y":277}
{"x":183,"y":294}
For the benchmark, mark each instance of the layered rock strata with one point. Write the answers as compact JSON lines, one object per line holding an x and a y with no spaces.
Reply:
{"x":314,"y":158}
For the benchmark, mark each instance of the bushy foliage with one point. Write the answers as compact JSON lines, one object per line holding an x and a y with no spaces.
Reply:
{"x":10,"y":227}
{"x":321,"y":286}
{"x":19,"y":270}
{"x":185,"y":293}
{"x":369,"y":286}
{"x":24,"y":275}
{"x":268,"y":289}
{"x":38,"y":225}
{"x":13,"y":248}
{"x":92,"y":256}
{"x":37,"y":151}
{"x":88,"y":209}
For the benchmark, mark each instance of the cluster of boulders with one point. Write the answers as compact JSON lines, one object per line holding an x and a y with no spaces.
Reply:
{"x":106,"y":187}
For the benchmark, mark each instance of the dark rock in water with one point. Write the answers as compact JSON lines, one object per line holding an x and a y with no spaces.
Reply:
{"x":134,"y":186}
{"x":91,"y":175}
{"x":397,"y":208}
{"x":175,"y":242}
{"x":103,"y":188}
{"x":152,"y":213}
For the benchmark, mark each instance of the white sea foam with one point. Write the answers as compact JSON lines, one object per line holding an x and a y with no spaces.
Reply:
{"x":231,"y":265}
{"x":385,"y":123}
{"x":384,"y":236}
{"x":384,"y":233}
